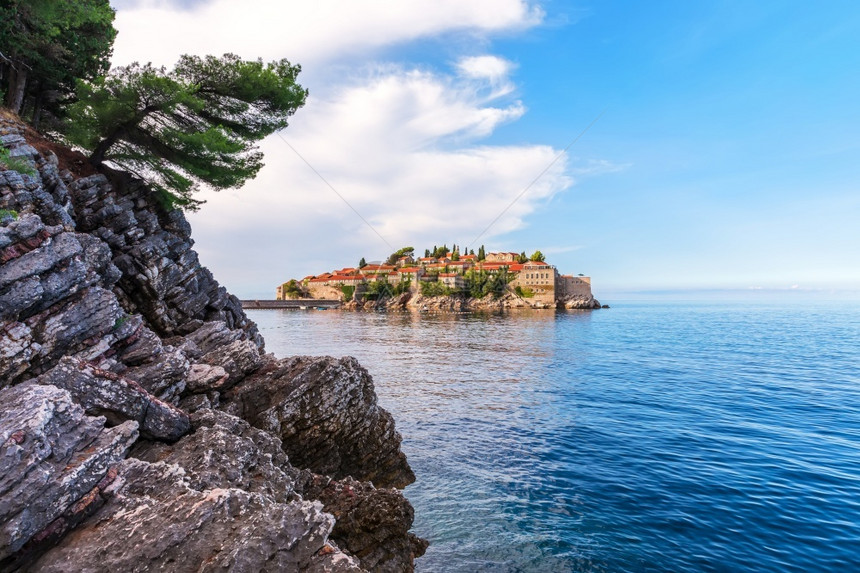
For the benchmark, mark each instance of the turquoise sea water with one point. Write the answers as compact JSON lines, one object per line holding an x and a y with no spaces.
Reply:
{"x":646,"y":437}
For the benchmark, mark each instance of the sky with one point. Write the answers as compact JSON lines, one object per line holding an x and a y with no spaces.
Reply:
{"x":658,"y":147}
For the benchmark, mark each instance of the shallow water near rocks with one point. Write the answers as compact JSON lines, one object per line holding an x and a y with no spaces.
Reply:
{"x":647,"y":437}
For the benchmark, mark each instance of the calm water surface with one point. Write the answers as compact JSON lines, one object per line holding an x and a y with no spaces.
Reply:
{"x":647,"y":437}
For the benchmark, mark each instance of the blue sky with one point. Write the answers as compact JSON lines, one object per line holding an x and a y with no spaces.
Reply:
{"x":727,"y":156}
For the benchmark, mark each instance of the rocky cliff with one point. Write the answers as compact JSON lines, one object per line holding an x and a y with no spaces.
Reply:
{"x":142,"y":425}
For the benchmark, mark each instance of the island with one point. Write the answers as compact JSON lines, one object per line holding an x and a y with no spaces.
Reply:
{"x":446,"y":280}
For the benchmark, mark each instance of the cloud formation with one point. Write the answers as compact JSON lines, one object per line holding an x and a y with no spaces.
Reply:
{"x":309,"y":32}
{"x":402,"y":150}
{"x":402,"y":143}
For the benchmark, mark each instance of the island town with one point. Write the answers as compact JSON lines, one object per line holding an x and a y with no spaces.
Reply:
{"x":527,"y":281}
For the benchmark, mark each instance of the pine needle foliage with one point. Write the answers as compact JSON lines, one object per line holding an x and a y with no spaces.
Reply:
{"x":197,"y":124}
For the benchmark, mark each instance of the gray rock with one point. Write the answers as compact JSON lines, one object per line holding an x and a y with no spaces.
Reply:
{"x":161,"y":276}
{"x":106,"y":310}
{"x":51,"y":456}
{"x":157,"y":521}
{"x":238,"y":359}
{"x":119,"y":399}
{"x":372,"y":524}
{"x":86,"y":324}
{"x":163,"y":376}
{"x":325,"y":412}
{"x":227,"y":452}
{"x":203,"y":378}
{"x":212,"y":335}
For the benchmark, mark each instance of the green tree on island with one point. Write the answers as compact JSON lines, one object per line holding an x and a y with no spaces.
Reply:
{"x":292,"y":289}
{"x":46,"y":45}
{"x":197,"y":124}
{"x":404,"y":252}
{"x":362,"y":263}
{"x":538,"y":257}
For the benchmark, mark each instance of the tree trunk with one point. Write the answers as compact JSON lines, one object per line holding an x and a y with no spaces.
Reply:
{"x":37,"y":108}
{"x":98,"y":155}
{"x":17,"y":85}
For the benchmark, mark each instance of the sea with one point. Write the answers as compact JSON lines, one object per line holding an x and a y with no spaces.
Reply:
{"x":651,"y":436}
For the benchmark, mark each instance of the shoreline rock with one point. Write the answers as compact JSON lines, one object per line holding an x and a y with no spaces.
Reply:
{"x":408,"y":302}
{"x":114,"y":339}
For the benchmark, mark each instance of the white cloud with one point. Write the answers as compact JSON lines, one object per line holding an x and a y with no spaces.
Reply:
{"x":493,"y":69}
{"x":401,"y":149}
{"x":306,"y":32}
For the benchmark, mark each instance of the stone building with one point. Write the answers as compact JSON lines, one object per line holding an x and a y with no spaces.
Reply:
{"x":502,"y":257}
{"x":569,"y":286}
{"x":453,"y":281}
{"x":539,"y":278}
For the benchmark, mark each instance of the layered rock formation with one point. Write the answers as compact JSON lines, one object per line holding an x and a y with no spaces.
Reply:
{"x":143,"y":427}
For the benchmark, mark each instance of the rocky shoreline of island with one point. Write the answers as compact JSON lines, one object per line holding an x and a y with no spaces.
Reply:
{"x":457,"y":304}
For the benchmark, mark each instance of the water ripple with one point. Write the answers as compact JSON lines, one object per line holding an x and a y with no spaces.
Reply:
{"x":700,"y":437}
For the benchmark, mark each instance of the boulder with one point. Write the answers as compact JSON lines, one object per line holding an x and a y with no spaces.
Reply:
{"x":155,"y":520}
{"x":52,"y":460}
{"x":226,"y":452}
{"x":325,"y":412}
{"x":117,"y":398}
{"x":372,"y":524}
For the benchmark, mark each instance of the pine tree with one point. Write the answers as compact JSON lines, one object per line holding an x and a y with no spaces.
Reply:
{"x":196,"y":124}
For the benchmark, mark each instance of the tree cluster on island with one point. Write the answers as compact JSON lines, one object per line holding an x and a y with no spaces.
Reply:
{"x":197,"y":124}
{"x":453,"y":253}
{"x":474,"y":282}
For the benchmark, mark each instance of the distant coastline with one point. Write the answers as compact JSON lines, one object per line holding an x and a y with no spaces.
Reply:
{"x":441,"y":281}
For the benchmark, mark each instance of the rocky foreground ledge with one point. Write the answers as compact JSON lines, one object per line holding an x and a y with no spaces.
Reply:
{"x":142,"y":425}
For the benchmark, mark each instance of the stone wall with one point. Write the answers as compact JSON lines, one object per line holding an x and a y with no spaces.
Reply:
{"x":325,"y":292}
{"x":574,"y":286}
